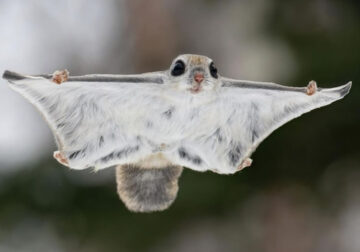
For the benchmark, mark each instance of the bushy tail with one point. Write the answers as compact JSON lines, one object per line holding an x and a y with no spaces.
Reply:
{"x":147,"y":190}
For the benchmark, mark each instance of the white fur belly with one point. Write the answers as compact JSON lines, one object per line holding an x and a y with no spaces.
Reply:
{"x":157,"y":160}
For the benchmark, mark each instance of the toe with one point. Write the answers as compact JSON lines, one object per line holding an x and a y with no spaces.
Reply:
{"x":246,"y":163}
{"x":61,"y":158}
{"x":60,"y":76}
{"x":311,"y":88}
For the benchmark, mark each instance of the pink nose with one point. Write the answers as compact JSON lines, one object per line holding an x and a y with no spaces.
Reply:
{"x":198,"y":78}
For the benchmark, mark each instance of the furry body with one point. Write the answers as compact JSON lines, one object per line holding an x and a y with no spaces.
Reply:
{"x":156,"y":120}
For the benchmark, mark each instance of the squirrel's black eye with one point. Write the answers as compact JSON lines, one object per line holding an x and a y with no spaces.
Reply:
{"x":213,"y":70}
{"x":178,"y":69}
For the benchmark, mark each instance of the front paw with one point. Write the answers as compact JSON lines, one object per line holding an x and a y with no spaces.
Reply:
{"x":61,"y":158}
{"x":60,"y":76}
{"x":311,"y":88}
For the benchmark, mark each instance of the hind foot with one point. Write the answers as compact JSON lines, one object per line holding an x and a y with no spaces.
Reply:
{"x":246,"y":163}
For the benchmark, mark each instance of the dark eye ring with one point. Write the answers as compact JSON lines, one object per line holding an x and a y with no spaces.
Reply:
{"x":178,"y":69}
{"x":213,"y":70}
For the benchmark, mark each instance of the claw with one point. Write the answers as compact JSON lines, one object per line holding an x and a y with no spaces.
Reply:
{"x":311,"y":88}
{"x":61,"y":158}
{"x":60,"y":76}
{"x":246,"y":163}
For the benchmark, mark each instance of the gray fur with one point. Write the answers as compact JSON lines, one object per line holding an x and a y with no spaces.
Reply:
{"x":119,"y":154}
{"x":218,"y":134}
{"x":8,"y":75}
{"x":75,"y":154}
{"x":101,"y":141}
{"x":147,"y":190}
{"x":114,"y":78}
{"x":254,"y":121}
{"x":168,"y":113}
{"x":235,"y":153}
{"x":260,"y":85}
{"x":149,"y":124}
{"x":183,"y":153}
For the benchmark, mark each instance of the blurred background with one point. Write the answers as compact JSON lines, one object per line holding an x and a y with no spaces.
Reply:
{"x":300,"y":194}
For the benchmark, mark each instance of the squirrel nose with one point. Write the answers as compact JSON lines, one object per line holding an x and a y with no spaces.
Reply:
{"x":198,"y":77}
